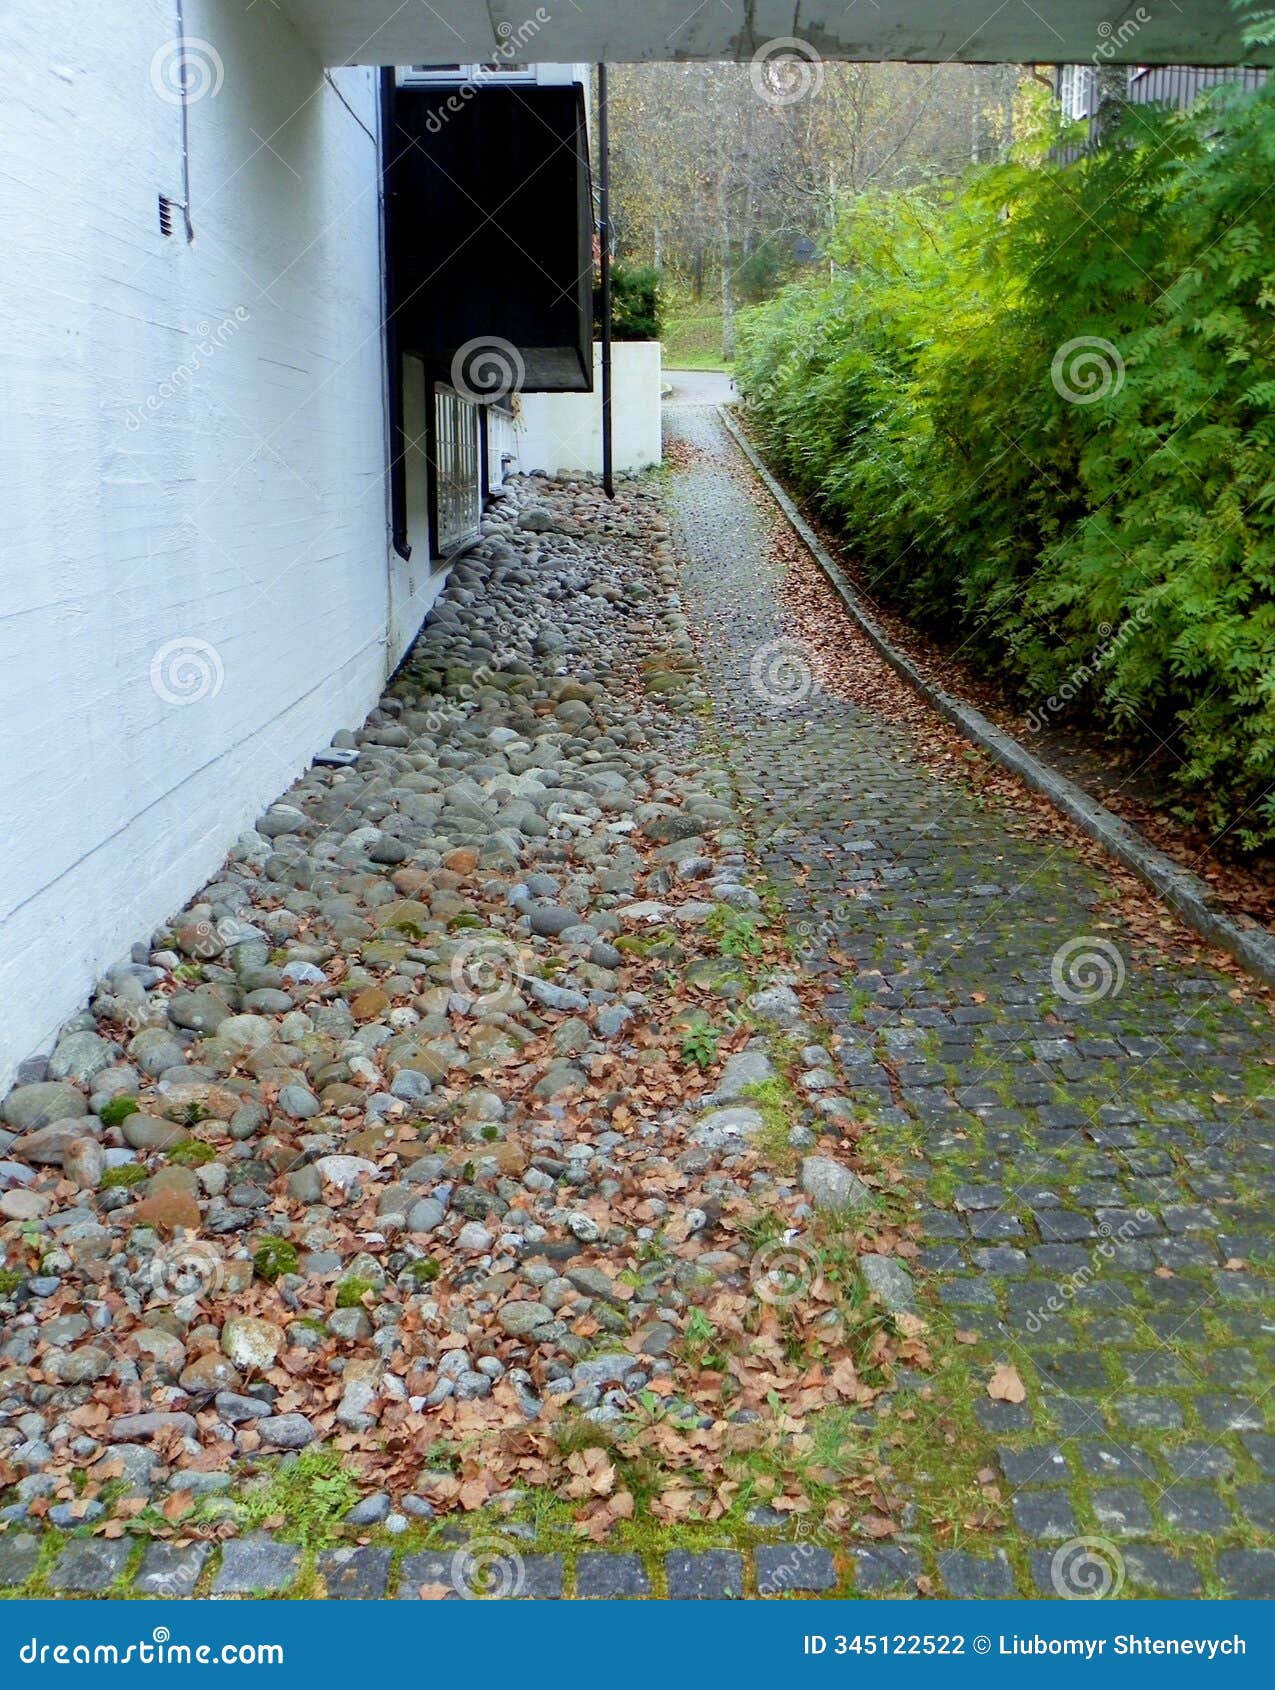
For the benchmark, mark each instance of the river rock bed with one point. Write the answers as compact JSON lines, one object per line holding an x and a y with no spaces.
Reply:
{"x":393,"y":1137}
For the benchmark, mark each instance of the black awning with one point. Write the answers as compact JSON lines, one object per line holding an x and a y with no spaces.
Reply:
{"x":491,"y":235}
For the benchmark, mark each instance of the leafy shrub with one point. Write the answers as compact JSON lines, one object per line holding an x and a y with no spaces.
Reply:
{"x":637,"y":310}
{"x":1096,"y":521}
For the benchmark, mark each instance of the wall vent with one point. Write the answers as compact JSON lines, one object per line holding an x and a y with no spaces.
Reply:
{"x":166,"y":210}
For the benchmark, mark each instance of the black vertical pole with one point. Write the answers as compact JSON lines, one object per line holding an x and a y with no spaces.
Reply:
{"x":393,"y":351}
{"x":604,"y":228}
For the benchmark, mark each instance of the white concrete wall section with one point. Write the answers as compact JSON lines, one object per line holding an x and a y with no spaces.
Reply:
{"x":415,"y":583}
{"x":562,"y":432}
{"x":194,"y":586}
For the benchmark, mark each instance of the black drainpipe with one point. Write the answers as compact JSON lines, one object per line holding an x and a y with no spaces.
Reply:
{"x":393,"y":352}
{"x":604,"y":229}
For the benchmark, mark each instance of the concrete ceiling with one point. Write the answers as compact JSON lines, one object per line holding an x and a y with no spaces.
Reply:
{"x":1011,"y":31}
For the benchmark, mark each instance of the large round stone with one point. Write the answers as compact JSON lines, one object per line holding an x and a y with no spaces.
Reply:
{"x":39,"y":1105}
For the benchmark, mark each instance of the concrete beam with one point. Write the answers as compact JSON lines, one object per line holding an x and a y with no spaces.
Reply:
{"x":1011,"y":31}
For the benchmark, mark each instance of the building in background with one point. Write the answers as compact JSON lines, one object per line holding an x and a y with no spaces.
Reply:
{"x":253,"y":395}
{"x":1079,"y":88}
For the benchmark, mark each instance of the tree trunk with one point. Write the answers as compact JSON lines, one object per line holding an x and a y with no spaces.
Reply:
{"x":728,"y":280}
{"x":1110,"y":98}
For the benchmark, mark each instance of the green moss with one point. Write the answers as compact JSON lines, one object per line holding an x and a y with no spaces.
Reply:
{"x":128,"y":1173}
{"x":273,"y":1257}
{"x":776,"y":1103}
{"x":10,"y":1279}
{"x":118,"y":1110}
{"x":192,"y":1153}
{"x":351,"y":1292}
{"x":425,"y":1271}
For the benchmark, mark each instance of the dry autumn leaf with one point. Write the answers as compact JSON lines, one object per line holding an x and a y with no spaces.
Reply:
{"x":1005,"y":1385}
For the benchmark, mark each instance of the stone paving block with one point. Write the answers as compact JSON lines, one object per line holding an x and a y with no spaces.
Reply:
{"x":1077,"y":1417}
{"x":1064,"y":1226}
{"x":793,"y":1566}
{"x":360,"y":1573}
{"x":541,"y":1578}
{"x":1104,"y":1460}
{"x":1003,"y":1417}
{"x":1045,"y":1514}
{"x":431,"y":1569}
{"x":888,"y":1567}
{"x":1153,"y":1368}
{"x":1074,"y":1370}
{"x":1121,"y":1510}
{"x":1195,"y":1509}
{"x":1248,"y":1574}
{"x":966,"y":1575}
{"x":1199,"y":1461}
{"x":19,"y":1552}
{"x":255,"y":1564}
{"x":1040,"y":1464}
{"x":1156,"y":1570}
{"x":1126,"y":1568}
{"x":1149,"y":1414}
{"x":709,"y":1575}
{"x":171,"y":1569}
{"x":90,"y":1564}
{"x":601,"y":1575}
{"x":1257,"y":1504}
{"x":1229,"y":1414}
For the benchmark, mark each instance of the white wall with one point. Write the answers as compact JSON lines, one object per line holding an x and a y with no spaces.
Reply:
{"x":562,"y":432}
{"x":192,"y":450}
{"x":414,"y":584}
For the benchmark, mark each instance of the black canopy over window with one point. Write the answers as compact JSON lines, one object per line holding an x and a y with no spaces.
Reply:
{"x":491,"y":233}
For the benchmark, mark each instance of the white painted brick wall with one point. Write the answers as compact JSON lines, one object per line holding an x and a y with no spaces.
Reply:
{"x":241,"y":503}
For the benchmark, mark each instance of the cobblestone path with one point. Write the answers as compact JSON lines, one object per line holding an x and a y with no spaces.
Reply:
{"x":1092,"y":1134}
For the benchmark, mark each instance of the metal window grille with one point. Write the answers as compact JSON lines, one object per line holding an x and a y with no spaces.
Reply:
{"x":457,"y":469}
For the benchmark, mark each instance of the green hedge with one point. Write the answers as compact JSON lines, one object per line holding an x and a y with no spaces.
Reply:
{"x":637,"y":308}
{"x":1041,"y":408}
